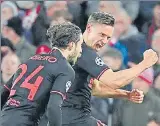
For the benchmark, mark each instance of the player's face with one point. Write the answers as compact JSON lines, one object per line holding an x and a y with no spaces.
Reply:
{"x":99,"y":35}
{"x":10,"y":64}
{"x":77,"y":50}
{"x":8,"y":33}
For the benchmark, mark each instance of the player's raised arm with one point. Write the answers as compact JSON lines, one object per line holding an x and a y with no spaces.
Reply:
{"x":121,"y":78}
{"x":102,"y":90}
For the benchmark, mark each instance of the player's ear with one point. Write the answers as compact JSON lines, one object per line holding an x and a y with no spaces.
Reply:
{"x":71,"y":46}
{"x":88,"y":28}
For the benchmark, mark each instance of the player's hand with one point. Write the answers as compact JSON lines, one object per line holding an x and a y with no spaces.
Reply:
{"x":136,"y":96}
{"x":150,"y":57}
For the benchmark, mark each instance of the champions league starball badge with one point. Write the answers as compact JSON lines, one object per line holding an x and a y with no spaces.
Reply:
{"x":68,"y":85}
{"x":99,"y":61}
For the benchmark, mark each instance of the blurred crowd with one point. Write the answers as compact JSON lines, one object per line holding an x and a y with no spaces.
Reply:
{"x":137,"y":28}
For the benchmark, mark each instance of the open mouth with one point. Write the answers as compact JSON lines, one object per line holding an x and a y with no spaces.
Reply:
{"x":99,"y":45}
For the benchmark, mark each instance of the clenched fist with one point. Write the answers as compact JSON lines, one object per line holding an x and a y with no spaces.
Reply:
{"x":150,"y":57}
{"x":136,"y":96}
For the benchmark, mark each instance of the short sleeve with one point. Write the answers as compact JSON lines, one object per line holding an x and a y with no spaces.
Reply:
{"x":91,"y":62}
{"x":63,"y":82}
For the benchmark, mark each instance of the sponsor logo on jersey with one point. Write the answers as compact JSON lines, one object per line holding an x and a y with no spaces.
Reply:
{"x":50,"y":59}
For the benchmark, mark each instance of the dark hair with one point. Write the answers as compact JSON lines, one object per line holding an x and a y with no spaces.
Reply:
{"x":102,"y":18}
{"x":8,"y":43}
{"x":60,"y":35}
{"x":16,"y":24}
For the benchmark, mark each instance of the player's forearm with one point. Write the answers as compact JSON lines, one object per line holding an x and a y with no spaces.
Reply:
{"x":54,"y":111}
{"x":105,"y":91}
{"x":122,"y":78}
{"x":118,"y":93}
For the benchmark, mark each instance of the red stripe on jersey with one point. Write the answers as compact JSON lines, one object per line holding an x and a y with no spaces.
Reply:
{"x":7,"y":88}
{"x":99,"y":123}
{"x":102,"y":73}
{"x":63,"y":96}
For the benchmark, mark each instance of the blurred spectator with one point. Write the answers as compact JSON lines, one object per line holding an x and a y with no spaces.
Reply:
{"x":9,"y":66}
{"x":78,"y":9}
{"x":151,"y":26}
{"x":25,"y":4}
{"x":61,"y":16}
{"x":35,"y":21}
{"x":156,"y":46}
{"x":14,"y":32}
{"x":153,"y":123}
{"x":156,"y":88}
{"x":28,"y":12}
{"x":145,"y":13}
{"x":113,"y":58}
{"x":111,"y":7}
{"x":154,"y":120}
{"x":43,"y":49}
{"x":8,"y":10}
{"x":156,"y":41}
{"x":127,"y":36}
{"x":157,"y":81}
{"x":40,"y":24}
{"x":131,"y":7}
{"x":75,"y":8}
{"x":131,"y":114}
{"x":52,"y":6}
{"x":6,"y":47}
{"x":92,"y":6}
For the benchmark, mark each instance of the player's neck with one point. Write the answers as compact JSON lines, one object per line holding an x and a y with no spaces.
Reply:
{"x":85,"y":38}
{"x":63,"y":52}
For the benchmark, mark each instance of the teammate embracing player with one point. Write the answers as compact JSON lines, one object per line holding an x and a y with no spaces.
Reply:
{"x":43,"y":79}
{"x":93,"y":77}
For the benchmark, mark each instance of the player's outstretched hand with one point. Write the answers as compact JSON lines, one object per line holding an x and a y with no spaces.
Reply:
{"x":136,"y":96}
{"x":150,"y":58}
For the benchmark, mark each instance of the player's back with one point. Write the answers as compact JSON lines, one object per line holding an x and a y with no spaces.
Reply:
{"x":31,"y":88}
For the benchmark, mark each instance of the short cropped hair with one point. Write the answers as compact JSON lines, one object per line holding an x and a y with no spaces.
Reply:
{"x":101,"y":18}
{"x":60,"y":35}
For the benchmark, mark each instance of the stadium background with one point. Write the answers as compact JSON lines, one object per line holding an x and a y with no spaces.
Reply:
{"x":137,"y":28}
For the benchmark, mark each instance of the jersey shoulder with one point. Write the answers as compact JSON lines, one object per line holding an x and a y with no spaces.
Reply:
{"x":91,"y":62}
{"x":61,"y":65}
